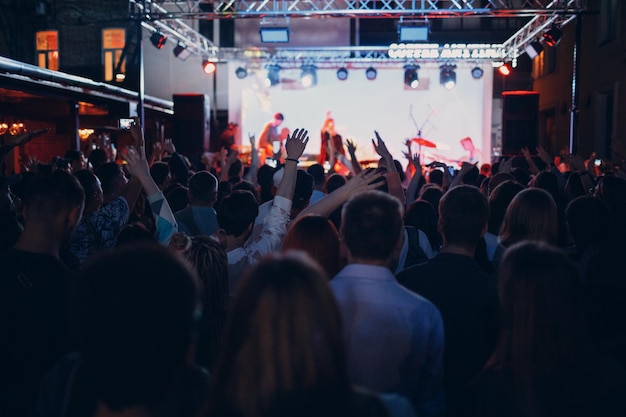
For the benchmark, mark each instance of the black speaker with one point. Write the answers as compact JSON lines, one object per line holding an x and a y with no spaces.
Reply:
{"x":191,"y":129}
{"x":520,"y":121}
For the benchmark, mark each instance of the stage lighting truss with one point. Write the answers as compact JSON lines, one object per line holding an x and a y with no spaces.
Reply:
{"x":273,"y":75}
{"x":411,"y":78}
{"x":447,"y":76}
{"x":173,"y":20}
{"x":308,"y":77}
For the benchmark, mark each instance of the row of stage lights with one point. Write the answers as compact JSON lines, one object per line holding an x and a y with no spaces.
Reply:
{"x":308,"y":75}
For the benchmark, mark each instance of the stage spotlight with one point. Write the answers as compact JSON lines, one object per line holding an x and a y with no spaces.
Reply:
{"x":553,"y":36}
{"x":505,"y":69}
{"x":447,"y":76}
{"x":308,"y":77}
{"x":410,"y":76}
{"x":181,"y":51}
{"x":371,"y":73}
{"x":158,"y":40}
{"x":342,"y":74}
{"x":477,"y":72}
{"x":208,"y":67}
{"x":241,"y":73}
{"x":533,"y":49}
{"x":273,"y":75}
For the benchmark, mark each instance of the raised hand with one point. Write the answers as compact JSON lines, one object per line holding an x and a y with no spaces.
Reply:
{"x":296,"y":143}
{"x":137,"y":164}
{"x":381,"y":148}
{"x":351,"y":146}
{"x":252,"y":140}
{"x":545,"y":156}
{"x":168,"y":146}
{"x":136,"y":132}
{"x":364,"y":181}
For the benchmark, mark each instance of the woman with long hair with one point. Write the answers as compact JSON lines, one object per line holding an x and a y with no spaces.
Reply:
{"x":283,"y":353}
{"x":545,"y":363}
{"x":531,"y":215}
{"x":209,"y":260}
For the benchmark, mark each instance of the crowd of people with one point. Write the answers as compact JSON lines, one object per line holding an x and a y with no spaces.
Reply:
{"x":154,"y":286}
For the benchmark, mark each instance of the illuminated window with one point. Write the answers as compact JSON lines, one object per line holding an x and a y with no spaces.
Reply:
{"x":47,"y":49}
{"x":113,"y":43}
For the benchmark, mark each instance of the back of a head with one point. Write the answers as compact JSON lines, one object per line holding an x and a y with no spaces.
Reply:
{"x":159,"y":171}
{"x":471,"y":176}
{"x":203,"y":188}
{"x":546,"y":180}
{"x":133,"y":314}
{"x":177,"y":197}
{"x":422,"y":216}
{"x":612,"y":190}
{"x":108,"y":174}
{"x":89,"y":181}
{"x":97,"y":157}
{"x":463,"y":214}
{"x":318,"y":237}
{"x":532,"y":215}
{"x":498,"y":179}
{"x":431,"y":193}
{"x":589,"y":221}
{"x":49,"y":195}
{"x":317,"y":172}
{"x":247,"y":186}
{"x":521,"y":175}
{"x":333,"y":182}
{"x":303,"y":190}
{"x":285,"y":325}
{"x":435,"y":176}
{"x":543,"y":343}
{"x":371,"y":225}
{"x":499,"y":200}
{"x":237,"y":211}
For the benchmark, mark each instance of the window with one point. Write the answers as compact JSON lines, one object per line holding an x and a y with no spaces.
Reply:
{"x":113,"y":43}
{"x":47,"y":49}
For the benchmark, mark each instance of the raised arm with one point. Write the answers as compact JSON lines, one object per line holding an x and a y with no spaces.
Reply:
{"x":354,"y":161}
{"x":294,"y":147}
{"x":364,"y":181}
{"x":393,"y":177}
{"x":254,"y":159}
{"x":138,"y":167}
{"x":412,"y":189}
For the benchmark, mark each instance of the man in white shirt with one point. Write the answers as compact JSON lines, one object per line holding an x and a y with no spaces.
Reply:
{"x":236,"y":214}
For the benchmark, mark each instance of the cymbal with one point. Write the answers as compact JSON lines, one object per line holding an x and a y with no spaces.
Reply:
{"x":424,"y":142}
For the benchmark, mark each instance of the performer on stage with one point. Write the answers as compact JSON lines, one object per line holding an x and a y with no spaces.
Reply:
{"x":269,"y":135}
{"x":331,"y":143}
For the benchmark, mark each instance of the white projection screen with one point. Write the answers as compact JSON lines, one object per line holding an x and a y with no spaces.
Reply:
{"x":360,"y":106}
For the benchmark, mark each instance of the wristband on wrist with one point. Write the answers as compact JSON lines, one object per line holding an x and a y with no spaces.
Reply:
{"x":291,"y":159}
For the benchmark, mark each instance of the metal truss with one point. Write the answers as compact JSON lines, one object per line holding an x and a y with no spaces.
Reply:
{"x":211,"y":9}
{"x":533,"y":30}
{"x":167,"y":16}
{"x":150,"y":14}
